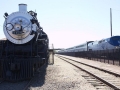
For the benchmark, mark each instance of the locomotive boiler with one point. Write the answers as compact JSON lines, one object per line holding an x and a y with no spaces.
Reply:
{"x":26,"y":46}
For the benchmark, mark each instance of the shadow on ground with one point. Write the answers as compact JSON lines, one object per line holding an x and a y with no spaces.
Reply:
{"x":40,"y":77}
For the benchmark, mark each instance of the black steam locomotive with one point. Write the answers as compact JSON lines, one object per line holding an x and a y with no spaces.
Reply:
{"x":25,"y":48}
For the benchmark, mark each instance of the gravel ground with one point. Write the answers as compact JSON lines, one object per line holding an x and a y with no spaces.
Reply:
{"x":60,"y":76}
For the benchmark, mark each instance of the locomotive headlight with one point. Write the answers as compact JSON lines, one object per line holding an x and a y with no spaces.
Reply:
{"x":9,"y":26}
{"x":117,"y":47}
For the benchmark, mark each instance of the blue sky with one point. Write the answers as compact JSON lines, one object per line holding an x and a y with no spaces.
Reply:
{"x":70,"y":22}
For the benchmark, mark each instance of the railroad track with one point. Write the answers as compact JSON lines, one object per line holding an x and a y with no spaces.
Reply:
{"x":99,"y":78}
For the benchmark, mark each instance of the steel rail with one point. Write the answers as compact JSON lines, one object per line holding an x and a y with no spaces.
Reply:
{"x":110,"y":72}
{"x":102,"y":80}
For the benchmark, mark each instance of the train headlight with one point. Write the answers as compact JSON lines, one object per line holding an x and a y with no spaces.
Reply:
{"x":9,"y":26}
{"x":117,"y":47}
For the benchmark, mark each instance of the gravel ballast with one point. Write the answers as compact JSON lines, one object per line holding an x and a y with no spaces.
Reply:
{"x":60,"y":76}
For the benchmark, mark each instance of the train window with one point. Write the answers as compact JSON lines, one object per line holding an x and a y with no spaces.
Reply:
{"x":90,"y":49}
{"x":115,"y":38}
{"x":108,"y":39}
{"x":100,"y":41}
{"x":103,"y":41}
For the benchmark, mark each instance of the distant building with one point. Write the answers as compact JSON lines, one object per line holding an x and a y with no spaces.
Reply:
{"x":3,"y":39}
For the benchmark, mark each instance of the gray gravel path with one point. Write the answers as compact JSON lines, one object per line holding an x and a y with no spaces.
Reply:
{"x":60,"y":76}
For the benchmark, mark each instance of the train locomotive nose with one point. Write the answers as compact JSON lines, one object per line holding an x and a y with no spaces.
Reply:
{"x":115,"y":41}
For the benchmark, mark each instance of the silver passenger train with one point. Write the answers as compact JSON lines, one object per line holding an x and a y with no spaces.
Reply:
{"x":104,"y":44}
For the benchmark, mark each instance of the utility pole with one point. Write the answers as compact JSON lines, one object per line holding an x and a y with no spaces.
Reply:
{"x":111,"y":21}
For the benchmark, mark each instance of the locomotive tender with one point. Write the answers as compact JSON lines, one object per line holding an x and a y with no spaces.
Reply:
{"x":26,"y":46}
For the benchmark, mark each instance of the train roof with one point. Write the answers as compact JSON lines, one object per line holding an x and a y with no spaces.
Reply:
{"x":102,"y":40}
{"x":81,"y":45}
